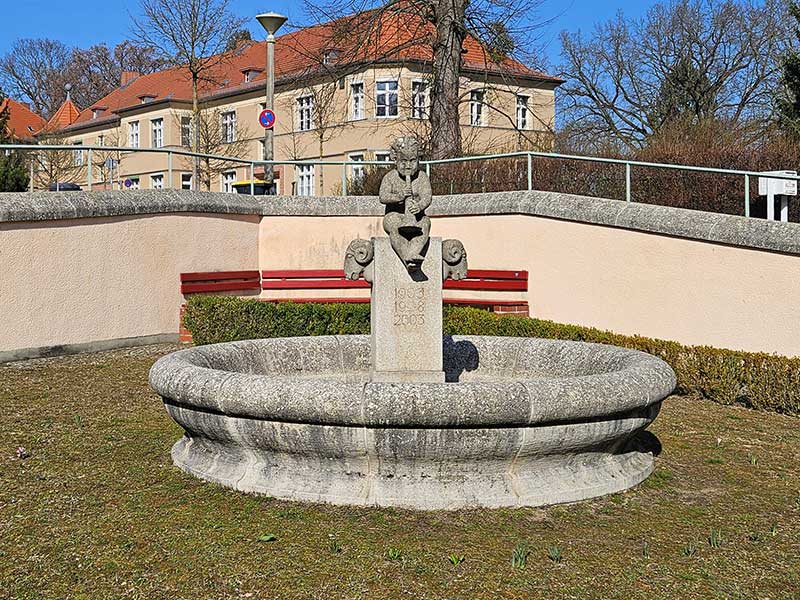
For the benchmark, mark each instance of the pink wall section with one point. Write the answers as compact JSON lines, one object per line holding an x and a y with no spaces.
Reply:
{"x":86,"y":280}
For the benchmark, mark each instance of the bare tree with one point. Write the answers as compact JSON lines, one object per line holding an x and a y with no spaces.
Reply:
{"x":96,"y":72}
{"x":58,"y":166}
{"x":34,"y":70}
{"x":434,"y":31}
{"x":217,"y":136}
{"x":107,"y":162}
{"x":685,"y":59}
{"x":193,"y":34}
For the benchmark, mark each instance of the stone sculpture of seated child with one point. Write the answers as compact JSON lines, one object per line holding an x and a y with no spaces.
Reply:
{"x":406,"y":192}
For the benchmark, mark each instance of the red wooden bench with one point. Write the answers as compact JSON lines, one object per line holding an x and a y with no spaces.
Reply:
{"x":480,"y":280}
{"x":334,"y":279}
{"x":220,"y":281}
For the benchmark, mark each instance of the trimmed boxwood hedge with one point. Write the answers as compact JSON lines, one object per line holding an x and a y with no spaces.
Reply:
{"x":757,"y":380}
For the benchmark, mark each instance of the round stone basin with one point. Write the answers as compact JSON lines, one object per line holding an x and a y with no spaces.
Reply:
{"x":518,"y":422}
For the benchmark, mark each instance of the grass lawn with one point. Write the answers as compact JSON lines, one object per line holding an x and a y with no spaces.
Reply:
{"x":98,"y":511}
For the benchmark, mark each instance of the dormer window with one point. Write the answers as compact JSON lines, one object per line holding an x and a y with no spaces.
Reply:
{"x":250,"y":73}
{"x":147,"y":98}
{"x":329,"y":56}
{"x":97,"y":111}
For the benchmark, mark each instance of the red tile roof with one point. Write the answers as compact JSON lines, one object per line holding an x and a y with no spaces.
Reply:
{"x":23,"y":123}
{"x":393,"y":38}
{"x":66,"y":115}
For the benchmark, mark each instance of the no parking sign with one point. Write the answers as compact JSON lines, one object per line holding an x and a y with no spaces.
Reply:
{"x":267,"y":118}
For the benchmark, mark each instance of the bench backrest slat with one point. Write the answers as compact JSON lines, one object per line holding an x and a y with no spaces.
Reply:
{"x":209,"y":276}
{"x":334,"y":279}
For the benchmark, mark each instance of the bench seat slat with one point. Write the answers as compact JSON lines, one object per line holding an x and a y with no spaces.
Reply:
{"x":363,"y":300}
{"x":504,"y":286}
{"x":220,"y":286}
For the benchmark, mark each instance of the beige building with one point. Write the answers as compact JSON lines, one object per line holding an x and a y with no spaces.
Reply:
{"x":328,"y":107}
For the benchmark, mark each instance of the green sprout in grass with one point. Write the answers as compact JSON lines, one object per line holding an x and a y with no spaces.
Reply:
{"x":774,"y":529}
{"x":689,"y":549}
{"x":554,"y":554}
{"x":753,"y":459}
{"x":334,"y":547}
{"x":394,"y":554}
{"x":715,"y":538}
{"x":755,"y":536}
{"x":646,"y":550}
{"x":267,"y":537}
{"x":456,"y":559}
{"x":519,"y":557}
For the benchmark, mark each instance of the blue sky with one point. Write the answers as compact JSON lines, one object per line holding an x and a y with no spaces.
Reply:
{"x":87,"y":22}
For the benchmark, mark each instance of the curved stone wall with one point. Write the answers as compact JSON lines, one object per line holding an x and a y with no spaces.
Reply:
{"x":93,"y":270}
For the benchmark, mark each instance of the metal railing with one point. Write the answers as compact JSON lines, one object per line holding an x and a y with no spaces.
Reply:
{"x":628,"y":165}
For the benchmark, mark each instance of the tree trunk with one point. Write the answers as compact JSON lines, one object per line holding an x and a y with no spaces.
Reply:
{"x":450,"y":34}
{"x":196,"y":136}
{"x":322,"y":167}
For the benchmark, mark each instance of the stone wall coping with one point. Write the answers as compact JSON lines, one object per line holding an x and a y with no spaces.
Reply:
{"x":676,"y":222}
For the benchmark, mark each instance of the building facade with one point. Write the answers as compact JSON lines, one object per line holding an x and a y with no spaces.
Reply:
{"x":327,"y":108}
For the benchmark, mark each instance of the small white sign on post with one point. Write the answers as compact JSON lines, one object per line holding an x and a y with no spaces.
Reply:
{"x":771,"y":187}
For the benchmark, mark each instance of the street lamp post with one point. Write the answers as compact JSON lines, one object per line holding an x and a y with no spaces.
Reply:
{"x":271,"y":22}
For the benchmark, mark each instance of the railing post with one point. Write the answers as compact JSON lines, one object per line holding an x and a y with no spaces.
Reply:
{"x":428,"y":170}
{"x":344,"y":179}
{"x":747,"y":195}
{"x":252,"y":179}
{"x":169,"y":170}
{"x":627,"y":182}
{"x":89,"y":174}
{"x":530,"y":171}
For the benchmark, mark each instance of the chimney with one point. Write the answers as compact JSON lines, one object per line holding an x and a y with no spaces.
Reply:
{"x":128,"y":77}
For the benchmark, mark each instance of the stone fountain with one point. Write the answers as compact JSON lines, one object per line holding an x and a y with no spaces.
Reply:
{"x":406,"y":417}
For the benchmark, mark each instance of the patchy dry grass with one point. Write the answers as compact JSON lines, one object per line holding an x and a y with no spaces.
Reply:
{"x":98,"y":511}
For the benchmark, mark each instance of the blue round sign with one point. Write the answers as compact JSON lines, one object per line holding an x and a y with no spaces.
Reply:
{"x":267,"y":118}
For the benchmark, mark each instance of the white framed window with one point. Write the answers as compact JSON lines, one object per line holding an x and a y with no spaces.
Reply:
{"x":157,"y":130}
{"x":476,"y":116}
{"x":77,"y":158}
{"x":133,"y":134}
{"x":419,"y":99}
{"x":186,"y":181}
{"x":229,"y":127}
{"x":383,"y":156}
{"x":386,"y":99}
{"x":522,"y":111}
{"x":305,"y":113}
{"x":227,"y":179}
{"x":304,"y":176}
{"x":357,"y":99}
{"x":157,"y":182}
{"x":357,"y":172}
{"x":186,"y":132}
{"x":134,"y":183}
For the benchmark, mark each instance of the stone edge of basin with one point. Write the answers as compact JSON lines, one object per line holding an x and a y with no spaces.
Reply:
{"x":184,"y":378}
{"x":678,"y":222}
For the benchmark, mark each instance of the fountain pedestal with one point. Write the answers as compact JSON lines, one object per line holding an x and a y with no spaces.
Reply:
{"x":406,"y":317}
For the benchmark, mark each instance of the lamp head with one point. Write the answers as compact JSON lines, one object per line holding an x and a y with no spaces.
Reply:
{"x":271,"y":21}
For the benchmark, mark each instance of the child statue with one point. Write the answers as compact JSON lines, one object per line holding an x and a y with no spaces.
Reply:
{"x":406,"y":192}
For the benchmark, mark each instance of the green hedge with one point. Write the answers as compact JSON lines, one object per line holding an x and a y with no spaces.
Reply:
{"x":757,"y":380}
